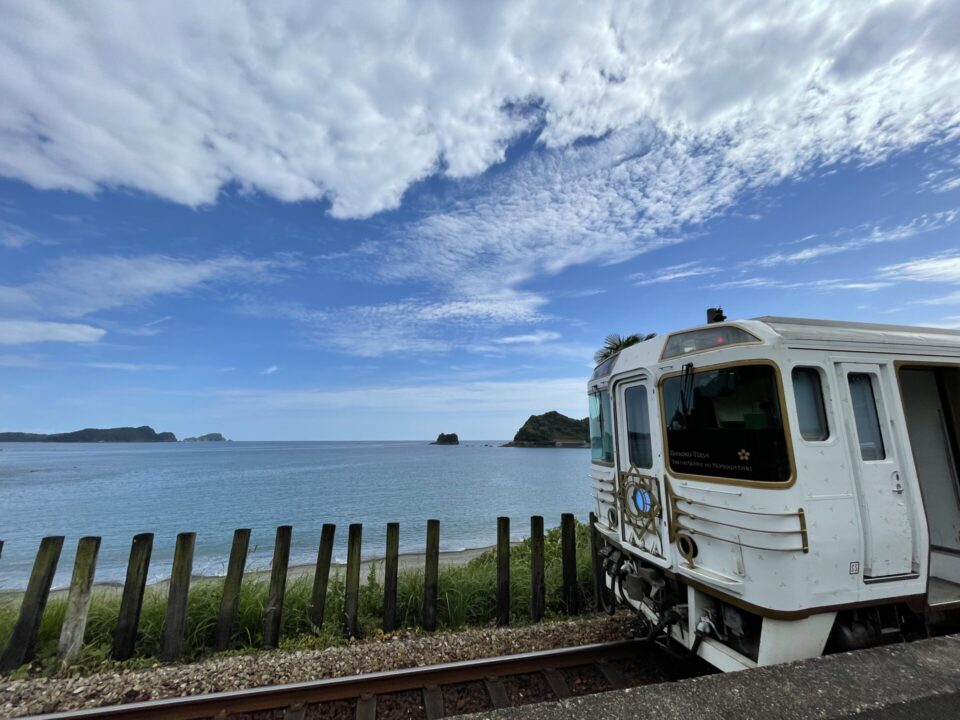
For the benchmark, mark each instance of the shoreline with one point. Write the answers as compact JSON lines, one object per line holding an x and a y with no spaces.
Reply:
{"x":405,"y":561}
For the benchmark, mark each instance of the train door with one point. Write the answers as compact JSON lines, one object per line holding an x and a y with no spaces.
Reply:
{"x":639,"y":472}
{"x":931,"y":404}
{"x":884,"y":511}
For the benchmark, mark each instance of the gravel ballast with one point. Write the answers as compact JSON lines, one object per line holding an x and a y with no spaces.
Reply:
{"x":234,"y":672}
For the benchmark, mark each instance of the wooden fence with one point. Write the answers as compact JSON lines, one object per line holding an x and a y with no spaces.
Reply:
{"x":21,"y":645}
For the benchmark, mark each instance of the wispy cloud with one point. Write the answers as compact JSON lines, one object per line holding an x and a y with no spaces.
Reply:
{"x":22,"y":361}
{"x":672,"y":272}
{"x":536,"y":338}
{"x":813,"y":285}
{"x":77,"y":286}
{"x":876,"y":235}
{"x":128,"y":367}
{"x":940,"y":268}
{"x":270,"y":370}
{"x":21,"y":332}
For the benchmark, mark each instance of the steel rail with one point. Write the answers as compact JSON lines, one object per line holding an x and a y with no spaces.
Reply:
{"x":279,"y":697}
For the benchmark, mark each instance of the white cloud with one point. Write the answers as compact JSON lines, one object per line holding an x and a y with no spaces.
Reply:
{"x":942,"y":268}
{"x":15,"y":237}
{"x":129,"y":367}
{"x":474,"y":396}
{"x":78,"y":286}
{"x":270,"y":370}
{"x":19,"y":332}
{"x":306,"y":100}
{"x":825,"y":285}
{"x":673,"y":272}
{"x":21,"y":361}
{"x":876,"y":235}
{"x":537,"y":338}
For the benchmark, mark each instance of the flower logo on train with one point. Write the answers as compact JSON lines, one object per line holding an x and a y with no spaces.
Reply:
{"x":744,"y":455}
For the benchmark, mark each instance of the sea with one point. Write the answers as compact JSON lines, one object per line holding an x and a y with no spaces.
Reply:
{"x":116,"y":490}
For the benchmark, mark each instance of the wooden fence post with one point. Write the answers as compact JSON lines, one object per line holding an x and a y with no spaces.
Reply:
{"x":538,"y":589}
{"x":23,"y":640}
{"x":125,"y":636}
{"x":595,"y":561}
{"x":568,"y":551}
{"x":230,"y":600}
{"x":78,"y":600}
{"x":390,"y":571}
{"x":503,"y":571}
{"x":351,"y":598}
{"x":321,"y":577}
{"x":175,"y":620}
{"x":273,"y":614}
{"x":431,"y":576}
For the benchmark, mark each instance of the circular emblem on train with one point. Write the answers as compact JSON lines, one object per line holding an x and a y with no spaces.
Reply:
{"x":744,"y":455}
{"x":642,"y":499}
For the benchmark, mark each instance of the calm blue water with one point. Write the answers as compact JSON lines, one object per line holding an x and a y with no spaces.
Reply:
{"x":118,"y":490}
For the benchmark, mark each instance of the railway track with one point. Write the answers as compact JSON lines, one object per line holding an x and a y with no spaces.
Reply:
{"x":360,"y":693}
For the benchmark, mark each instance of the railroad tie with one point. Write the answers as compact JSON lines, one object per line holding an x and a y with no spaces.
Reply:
{"x":433,"y":702}
{"x":557,"y":682}
{"x":613,"y":675}
{"x":295,"y":712}
{"x":497,"y":692}
{"x":367,"y":707}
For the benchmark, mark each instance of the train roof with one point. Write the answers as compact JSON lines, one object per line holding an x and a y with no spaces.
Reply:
{"x":806,"y":333}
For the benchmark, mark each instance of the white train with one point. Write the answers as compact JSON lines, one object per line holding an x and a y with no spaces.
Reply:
{"x":772,"y":489}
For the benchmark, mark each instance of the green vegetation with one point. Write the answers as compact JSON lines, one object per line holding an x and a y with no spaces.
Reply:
{"x":551,"y":428}
{"x":144,"y":433}
{"x":209,"y":437}
{"x":614,"y":343}
{"x":466,"y":597}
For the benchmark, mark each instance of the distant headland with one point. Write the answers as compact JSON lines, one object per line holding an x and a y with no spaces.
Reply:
{"x":209,"y":437}
{"x":552,"y":429}
{"x":145,"y":433}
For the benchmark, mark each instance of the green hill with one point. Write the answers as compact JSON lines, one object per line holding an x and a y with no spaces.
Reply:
{"x":145,"y":433}
{"x":552,"y":429}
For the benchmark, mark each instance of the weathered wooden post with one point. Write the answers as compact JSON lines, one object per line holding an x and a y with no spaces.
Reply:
{"x":351,"y":598}
{"x":503,"y":571}
{"x":390,"y":570}
{"x":431,"y":576}
{"x":273,"y":613}
{"x":78,"y":600}
{"x":23,"y":640}
{"x":175,"y":620}
{"x":125,"y":636}
{"x":538,"y":588}
{"x":230,"y":600}
{"x":321,"y":577}
{"x":568,"y":552}
{"x":595,"y":561}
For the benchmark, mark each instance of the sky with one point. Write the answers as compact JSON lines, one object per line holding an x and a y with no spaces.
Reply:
{"x":351,"y":221}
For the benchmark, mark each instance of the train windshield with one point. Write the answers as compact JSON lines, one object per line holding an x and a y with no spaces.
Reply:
{"x":601,"y":428}
{"x":727,"y":423}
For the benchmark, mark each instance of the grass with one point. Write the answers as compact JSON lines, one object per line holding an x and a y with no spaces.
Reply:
{"x":466,"y":597}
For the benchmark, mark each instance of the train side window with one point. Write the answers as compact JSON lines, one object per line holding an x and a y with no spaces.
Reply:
{"x":601,"y":428}
{"x":638,"y":426}
{"x":811,"y":411}
{"x":865,"y":415}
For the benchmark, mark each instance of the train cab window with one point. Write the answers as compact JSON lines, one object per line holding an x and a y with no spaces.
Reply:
{"x":865,"y":415}
{"x":714,"y":338}
{"x":638,"y":426}
{"x":726,"y":423}
{"x":811,"y":411}
{"x":601,"y":428}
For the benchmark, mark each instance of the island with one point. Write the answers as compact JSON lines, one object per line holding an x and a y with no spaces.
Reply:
{"x":144,"y":433}
{"x":209,"y":437}
{"x":446,"y":439}
{"x":554,"y":430}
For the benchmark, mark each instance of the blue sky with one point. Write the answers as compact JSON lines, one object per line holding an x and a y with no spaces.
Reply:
{"x":287,"y":221}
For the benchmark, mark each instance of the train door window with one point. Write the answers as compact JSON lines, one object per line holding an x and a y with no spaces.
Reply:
{"x":811,"y":411}
{"x":638,"y":426}
{"x":601,"y":428}
{"x":866,"y":417}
